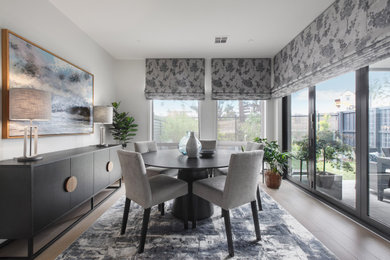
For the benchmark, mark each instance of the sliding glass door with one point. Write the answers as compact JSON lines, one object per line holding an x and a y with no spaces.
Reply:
{"x":379,"y":142}
{"x":299,"y":137}
{"x":339,"y":136}
{"x":336,"y":138}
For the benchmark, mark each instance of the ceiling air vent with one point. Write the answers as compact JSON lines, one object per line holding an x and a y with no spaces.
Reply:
{"x":221,"y":39}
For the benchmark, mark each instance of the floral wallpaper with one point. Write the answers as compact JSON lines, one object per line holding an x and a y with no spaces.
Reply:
{"x":349,"y":35}
{"x":175,"y":79}
{"x":241,"y":78}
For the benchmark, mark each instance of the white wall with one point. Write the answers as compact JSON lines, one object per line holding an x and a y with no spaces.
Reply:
{"x":130,"y":84}
{"x":40,"y":22}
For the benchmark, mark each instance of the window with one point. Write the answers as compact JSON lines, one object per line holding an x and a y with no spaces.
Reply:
{"x":299,"y":132}
{"x":379,"y":143}
{"x":173,"y":118}
{"x":336,"y":134}
{"x":239,"y":120}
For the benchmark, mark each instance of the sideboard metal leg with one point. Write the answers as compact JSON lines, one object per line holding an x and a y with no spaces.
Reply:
{"x":92,"y":203}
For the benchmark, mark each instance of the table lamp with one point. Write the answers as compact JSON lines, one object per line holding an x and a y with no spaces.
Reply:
{"x":27,"y":104}
{"x":102,"y":115}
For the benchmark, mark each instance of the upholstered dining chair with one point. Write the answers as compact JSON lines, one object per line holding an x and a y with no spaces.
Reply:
{"x":147,"y":191}
{"x":209,"y":145}
{"x":250,"y":146}
{"x":151,"y":146}
{"x":237,"y":188}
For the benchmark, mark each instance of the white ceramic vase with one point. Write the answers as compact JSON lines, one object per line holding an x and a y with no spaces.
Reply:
{"x":192,"y":146}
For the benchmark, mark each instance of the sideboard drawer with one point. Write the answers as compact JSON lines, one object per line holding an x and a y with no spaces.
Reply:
{"x":116,"y":172}
{"x":102,"y":175}
{"x":50,"y":199}
{"x":82,"y":169}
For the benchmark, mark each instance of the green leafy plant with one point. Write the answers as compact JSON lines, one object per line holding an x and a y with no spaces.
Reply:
{"x":277,"y":160}
{"x":123,"y":127}
{"x":301,"y":152}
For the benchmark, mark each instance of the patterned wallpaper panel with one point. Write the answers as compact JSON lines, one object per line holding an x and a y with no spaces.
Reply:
{"x":241,"y":78}
{"x":349,"y":35}
{"x":175,"y":79}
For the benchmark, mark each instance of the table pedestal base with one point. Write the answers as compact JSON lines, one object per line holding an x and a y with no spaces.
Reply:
{"x":204,"y":208}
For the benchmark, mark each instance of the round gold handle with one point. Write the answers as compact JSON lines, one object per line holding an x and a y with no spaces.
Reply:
{"x":71,"y":184}
{"x":109,"y":166}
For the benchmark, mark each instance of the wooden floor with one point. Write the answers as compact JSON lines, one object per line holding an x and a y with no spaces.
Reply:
{"x":344,"y":237}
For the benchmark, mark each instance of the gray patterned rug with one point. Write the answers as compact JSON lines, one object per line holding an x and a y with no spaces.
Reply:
{"x":283,"y":237}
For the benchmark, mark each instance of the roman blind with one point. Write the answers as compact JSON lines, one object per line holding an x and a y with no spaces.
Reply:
{"x":176,"y":79}
{"x":248,"y":79}
{"x":345,"y":37}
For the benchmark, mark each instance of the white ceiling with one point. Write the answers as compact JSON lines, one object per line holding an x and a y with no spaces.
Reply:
{"x":135,"y":29}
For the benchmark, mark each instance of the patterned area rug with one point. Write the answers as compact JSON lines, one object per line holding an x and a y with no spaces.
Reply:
{"x":283,"y":237}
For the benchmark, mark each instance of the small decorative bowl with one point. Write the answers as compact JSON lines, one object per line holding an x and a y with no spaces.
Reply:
{"x":207,"y":153}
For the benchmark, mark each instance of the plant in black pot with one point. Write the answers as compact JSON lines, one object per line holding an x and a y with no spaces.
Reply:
{"x":277,"y":161}
{"x":123,"y":127}
{"x":301,"y":153}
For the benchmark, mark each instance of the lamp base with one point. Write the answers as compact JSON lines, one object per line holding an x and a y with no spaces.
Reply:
{"x":29,"y":159}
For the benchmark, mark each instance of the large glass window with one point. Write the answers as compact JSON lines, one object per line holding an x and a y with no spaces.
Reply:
{"x":335,"y":138}
{"x":239,"y":120}
{"x":379,"y":142}
{"x":299,"y":133}
{"x":173,"y":118}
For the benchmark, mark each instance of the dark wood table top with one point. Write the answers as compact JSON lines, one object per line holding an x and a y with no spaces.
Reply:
{"x":175,"y":160}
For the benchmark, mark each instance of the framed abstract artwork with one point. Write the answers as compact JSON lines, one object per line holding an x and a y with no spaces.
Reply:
{"x":27,"y":65}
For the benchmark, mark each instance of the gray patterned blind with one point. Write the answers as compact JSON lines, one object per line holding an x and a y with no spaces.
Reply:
{"x":349,"y":35}
{"x":241,"y":79}
{"x":175,"y":79}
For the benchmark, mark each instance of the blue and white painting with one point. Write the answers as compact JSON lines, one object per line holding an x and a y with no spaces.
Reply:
{"x":71,"y":88}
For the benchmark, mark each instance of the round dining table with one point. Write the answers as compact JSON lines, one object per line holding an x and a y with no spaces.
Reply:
{"x":190,"y":170}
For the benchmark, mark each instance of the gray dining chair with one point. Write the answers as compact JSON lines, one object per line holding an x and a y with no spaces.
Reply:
{"x":147,"y":191}
{"x":250,"y":146}
{"x":209,"y":145}
{"x":235,"y":189}
{"x":151,"y":146}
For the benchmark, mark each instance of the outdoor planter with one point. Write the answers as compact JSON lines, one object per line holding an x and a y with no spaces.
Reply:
{"x":325,"y":180}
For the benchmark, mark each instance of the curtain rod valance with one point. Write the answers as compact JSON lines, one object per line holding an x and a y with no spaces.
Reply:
{"x":347,"y":36}
{"x":175,"y":79}
{"x":241,"y":79}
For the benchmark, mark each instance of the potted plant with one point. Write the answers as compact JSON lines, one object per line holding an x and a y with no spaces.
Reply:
{"x":331,"y":148}
{"x":301,"y":153}
{"x":123,"y":127}
{"x":277,"y":161}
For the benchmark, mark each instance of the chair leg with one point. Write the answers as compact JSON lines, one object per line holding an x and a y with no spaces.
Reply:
{"x":259,"y":199}
{"x":186,"y":208}
{"x":256,"y":220}
{"x":125,"y":215}
{"x":194,"y":204}
{"x":226,"y":216}
{"x":162,"y":209}
{"x":144,"y":230}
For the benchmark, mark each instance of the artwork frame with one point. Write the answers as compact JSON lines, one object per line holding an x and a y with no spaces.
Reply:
{"x":66,"y":81}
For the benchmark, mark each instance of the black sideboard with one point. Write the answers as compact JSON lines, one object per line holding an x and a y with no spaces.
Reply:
{"x":34,"y":195}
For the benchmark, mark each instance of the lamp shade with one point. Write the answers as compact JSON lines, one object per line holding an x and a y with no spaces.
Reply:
{"x":29,"y":104}
{"x":102,"y":114}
